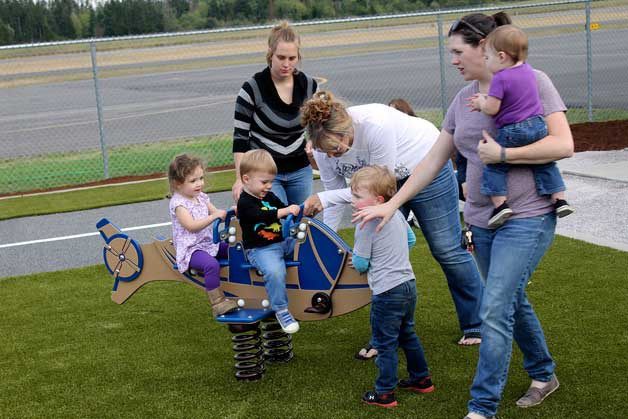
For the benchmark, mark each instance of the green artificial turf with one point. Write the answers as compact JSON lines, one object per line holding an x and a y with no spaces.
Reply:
{"x":68,"y":351}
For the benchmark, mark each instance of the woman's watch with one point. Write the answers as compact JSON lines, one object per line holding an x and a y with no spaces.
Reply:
{"x":502,"y":155}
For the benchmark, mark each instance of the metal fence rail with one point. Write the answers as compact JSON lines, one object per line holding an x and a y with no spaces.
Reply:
{"x":82,"y":111}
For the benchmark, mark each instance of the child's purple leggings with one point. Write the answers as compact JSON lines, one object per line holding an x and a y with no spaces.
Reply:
{"x":203,"y":261}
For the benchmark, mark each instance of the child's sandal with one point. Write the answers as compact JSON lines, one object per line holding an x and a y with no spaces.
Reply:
{"x":366,"y":353}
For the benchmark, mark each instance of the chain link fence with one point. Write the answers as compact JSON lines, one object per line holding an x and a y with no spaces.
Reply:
{"x":85,"y":111}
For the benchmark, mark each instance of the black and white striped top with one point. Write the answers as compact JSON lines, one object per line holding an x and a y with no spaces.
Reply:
{"x":263,"y":120}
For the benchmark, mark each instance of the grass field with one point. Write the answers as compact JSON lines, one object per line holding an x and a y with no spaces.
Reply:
{"x":67,"y":351}
{"x":102,"y":196}
{"x":55,"y":170}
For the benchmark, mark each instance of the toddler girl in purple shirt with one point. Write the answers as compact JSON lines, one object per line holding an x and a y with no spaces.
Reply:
{"x":513,"y":101}
{"x":192,"y":214}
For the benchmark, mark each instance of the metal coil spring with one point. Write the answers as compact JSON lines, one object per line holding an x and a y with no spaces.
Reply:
{"x":276,"y":343}
{"x":249,"y":354}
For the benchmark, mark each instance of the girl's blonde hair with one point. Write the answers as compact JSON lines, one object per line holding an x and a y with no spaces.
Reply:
{"x":282,"y":32}
{"x":509,"y":39}
{"x":326,"y":120}
{"x":257,"y":161}
{"x":180,"y":167}
{"x":378,"y":180}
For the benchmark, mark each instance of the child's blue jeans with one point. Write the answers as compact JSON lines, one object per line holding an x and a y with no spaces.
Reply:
{"x":547,"y":176}
{"x":392,"y":326}
{"x":269,"y":260}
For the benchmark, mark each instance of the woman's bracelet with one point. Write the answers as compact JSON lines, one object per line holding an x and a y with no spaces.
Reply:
{"x":502,"y":155}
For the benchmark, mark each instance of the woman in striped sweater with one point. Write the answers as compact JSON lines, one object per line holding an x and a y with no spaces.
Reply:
{"x":267,"y":116}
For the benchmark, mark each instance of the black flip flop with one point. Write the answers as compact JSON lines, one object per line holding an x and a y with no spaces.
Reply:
{"x":362,"y":354}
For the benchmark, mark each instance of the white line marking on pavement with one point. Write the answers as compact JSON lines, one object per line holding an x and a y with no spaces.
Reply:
{"x":77,"y":236}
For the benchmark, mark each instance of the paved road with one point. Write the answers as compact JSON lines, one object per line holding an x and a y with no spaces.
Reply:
{"x":62,"y":116}
{"x":83,"y":251}
{"x":601,"y":217}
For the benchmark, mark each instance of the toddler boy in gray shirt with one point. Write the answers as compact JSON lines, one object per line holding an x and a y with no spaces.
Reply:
{"x":384,"y":255}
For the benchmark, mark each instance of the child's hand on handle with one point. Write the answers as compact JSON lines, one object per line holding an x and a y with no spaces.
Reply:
{"x":489,"y":150}
{"x":294,"y":210}
{"x":219,"y":213}
{"x":383,"y":211}
{"x":291,"y":209}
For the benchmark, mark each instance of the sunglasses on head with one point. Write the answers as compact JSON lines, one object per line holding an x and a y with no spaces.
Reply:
{"x":457,"y":26}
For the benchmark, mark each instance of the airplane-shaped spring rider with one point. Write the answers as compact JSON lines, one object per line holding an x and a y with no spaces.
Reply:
{"x":320,"y":283}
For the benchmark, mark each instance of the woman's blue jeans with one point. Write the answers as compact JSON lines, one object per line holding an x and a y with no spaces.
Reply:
{"x":293,"y":187}
{"x":392,"y":326}
{"x":436,"y":209}
{"x":506,"y":258}
{"x":270,"y":261}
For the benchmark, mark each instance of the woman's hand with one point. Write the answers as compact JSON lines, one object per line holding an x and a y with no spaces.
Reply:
{"x":309,"y":150}
{"x":488,"y":149}
{"x":312,"y":206}
{"x":383,"y":211}
{"x":236,"y":190}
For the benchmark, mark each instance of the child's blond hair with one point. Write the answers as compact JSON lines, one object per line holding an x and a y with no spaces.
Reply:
{"x":378,"y":180}
{"x":180,"y":167}
{"x":509,"y":39}
{"x":257,"y":161}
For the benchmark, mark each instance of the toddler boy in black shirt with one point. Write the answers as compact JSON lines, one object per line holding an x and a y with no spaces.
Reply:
{"x":259,"y":212}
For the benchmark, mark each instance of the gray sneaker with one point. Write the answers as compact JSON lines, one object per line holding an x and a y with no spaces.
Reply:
{"x":535,"y":396}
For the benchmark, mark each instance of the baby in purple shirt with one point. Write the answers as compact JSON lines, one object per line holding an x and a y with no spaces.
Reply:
{"x":514,"y":102}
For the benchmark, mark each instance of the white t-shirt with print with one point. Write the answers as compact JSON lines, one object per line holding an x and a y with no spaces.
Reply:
{"x":382,"y":136}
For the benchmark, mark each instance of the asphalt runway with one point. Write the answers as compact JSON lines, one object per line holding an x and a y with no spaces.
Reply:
{"x":62,"y":117}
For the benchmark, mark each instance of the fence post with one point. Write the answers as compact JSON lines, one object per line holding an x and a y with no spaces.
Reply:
{"x":101,"y":129}
{"x":589,"y":62}
{"x":441,"y":57}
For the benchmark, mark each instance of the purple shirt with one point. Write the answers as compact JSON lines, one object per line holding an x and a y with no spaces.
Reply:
{"x":185,"y":242}
{"x":466,"y":127}
{"x":517,"y":88}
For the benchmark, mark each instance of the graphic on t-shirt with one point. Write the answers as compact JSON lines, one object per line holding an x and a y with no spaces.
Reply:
{"x":401,"y":171}
{"x":268,"y":232}
{"x":348,"y":169}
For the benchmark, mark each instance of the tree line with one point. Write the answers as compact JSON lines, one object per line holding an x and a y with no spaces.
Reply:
{"x":30,"y":21}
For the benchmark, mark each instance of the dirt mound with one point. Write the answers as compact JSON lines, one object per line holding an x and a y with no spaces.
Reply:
{"x":600,"y":136}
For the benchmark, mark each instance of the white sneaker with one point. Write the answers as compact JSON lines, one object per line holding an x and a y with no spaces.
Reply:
{"x":287,"y":322}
